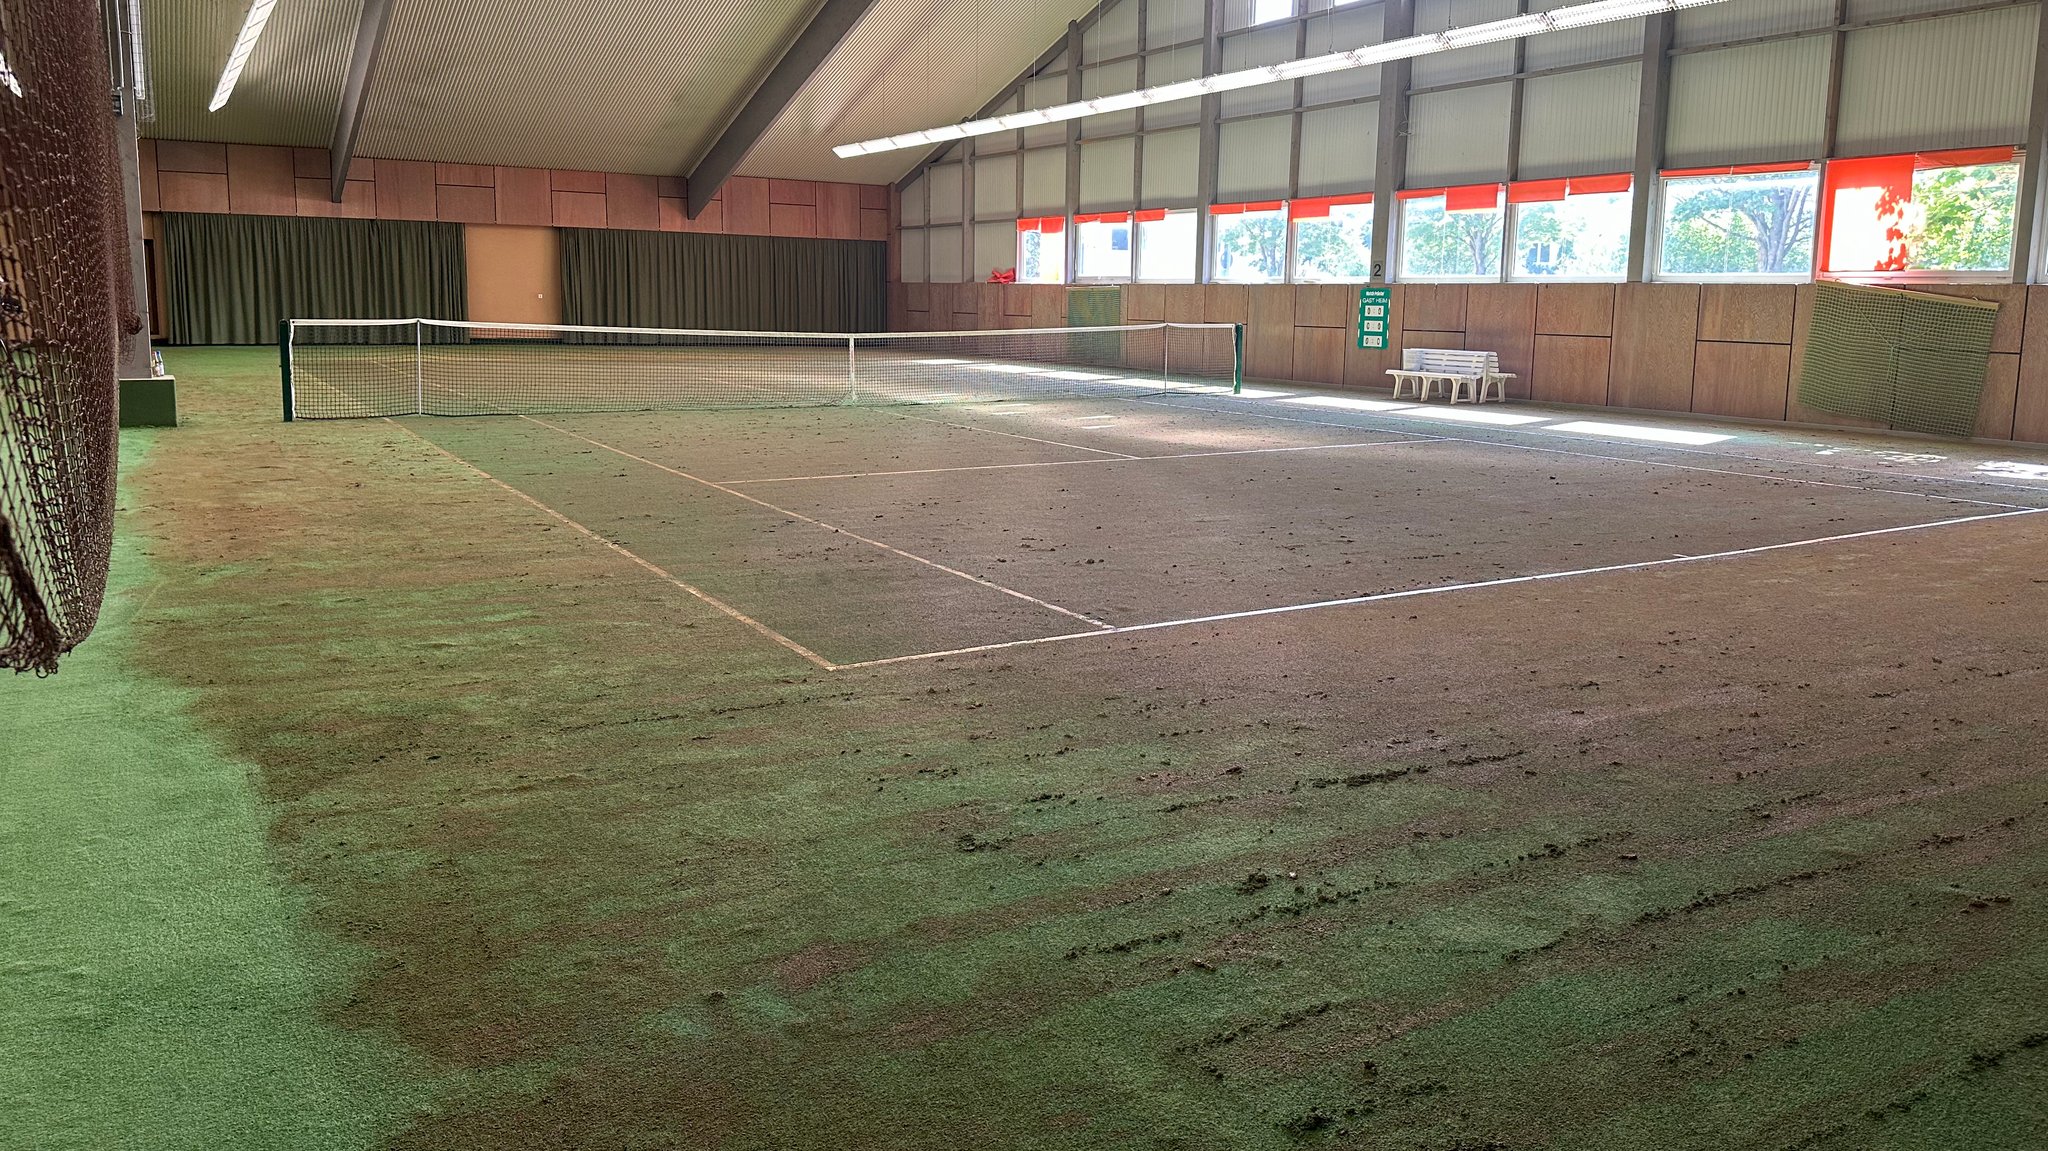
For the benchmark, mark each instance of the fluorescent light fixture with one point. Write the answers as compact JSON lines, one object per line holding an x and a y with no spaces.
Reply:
{"x":1512,"y":28}
{"x":245,"y":43}
{"x":1635,"y":432}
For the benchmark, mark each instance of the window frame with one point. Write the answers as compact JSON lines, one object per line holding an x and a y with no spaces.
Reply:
{"x":1511,"y":226}
{"x":1138,"y":221}
{"x":1398,"y":249}
{"x":1653,"y":265}
{"x":1936,"y":160}
{"x":1044,"y":226}
{"x":1294,"y":222}
{"x":1130,"y":222}
{"x":1249,"y":208}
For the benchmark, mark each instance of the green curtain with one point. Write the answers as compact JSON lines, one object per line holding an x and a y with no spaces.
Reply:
{"x":232,"y":278}
{"x":725,"y":283}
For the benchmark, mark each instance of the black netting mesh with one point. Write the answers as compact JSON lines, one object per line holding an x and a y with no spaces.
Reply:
{"x":1910,"y":360}
{"x":64,"y":287}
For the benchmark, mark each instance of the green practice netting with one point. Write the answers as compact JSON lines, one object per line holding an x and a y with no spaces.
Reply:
{"x":1912,"y":361}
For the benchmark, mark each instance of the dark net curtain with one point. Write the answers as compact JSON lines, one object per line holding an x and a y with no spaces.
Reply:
{"x":727,"y":283}
{"x":232,"y":278}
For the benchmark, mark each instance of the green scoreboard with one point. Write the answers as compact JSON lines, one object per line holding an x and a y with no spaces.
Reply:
{"x":1375,"y":312}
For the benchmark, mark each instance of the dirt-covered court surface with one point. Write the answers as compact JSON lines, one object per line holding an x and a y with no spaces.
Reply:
{"x":1191,"y":772}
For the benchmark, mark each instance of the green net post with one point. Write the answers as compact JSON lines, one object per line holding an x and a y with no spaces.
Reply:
{"x":284,"y":364}
{"x":1237,"y":359}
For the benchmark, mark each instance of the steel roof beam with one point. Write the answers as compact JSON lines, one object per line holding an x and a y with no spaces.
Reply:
{"x":371,"y":26}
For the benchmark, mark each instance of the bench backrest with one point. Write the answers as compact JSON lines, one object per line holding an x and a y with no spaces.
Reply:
{"x":1451,"y":361}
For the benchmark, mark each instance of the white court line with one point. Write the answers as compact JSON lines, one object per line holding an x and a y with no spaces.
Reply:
{"x":1081,"y":463}
{"x":834,"y":528}
{"x":1617,"y":459}
{"x":1015,"y":436}
{"x":699,"y":593}
{"x":1438,"y":590}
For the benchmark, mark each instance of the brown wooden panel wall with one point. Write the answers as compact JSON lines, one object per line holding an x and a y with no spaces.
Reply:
{"x":185,"y":176}
{"x":1717,"y":350}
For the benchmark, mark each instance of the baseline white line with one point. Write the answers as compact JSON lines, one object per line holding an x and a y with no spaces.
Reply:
{"x":1444,"y":589}
{"x":834,"y":528}
{"x":1015,"y":436}
{"x":1078,"y":463}
{"x":1616,"y":459}
{"x":654,"y":568}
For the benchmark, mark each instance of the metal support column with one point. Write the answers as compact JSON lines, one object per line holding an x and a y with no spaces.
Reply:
{"x":1652,"y":109}
{"x":2030,"y":225}
{"x":1390,"y":167}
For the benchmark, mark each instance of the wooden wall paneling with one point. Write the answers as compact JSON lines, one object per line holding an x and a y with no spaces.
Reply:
{"x":792,"y":220}
{"x":2030,"y":407}
{"x":1017,"y":300}
{"x":1367,"y":368}
{"x":967,"y":306}
{"x":917,"y":297}
{"x":1575,"y":310}
{"x":670,"y":215}
{"x":466,"y":175}
{"x":1747,"y":313}
{"x":358,"y":199}
{"x":874,"y":197}
{"x":525,"y":196}
{"x":188,"y":156}
{"x":467,"y":204}
{"x":572,"y":180}
{"x":673,"y":187}
{"x":1048,"y":305}
{"x":631,"y":202}
{"x":1802,"y":319}
{"x":711,"y":219}
{"x":1144,"y":303}
{"x":405,"y":189}
{"x":145,"y":163}
{"x":1501,"y":318}
{"x":2011,"y":299}
{"x":514,"y":273}
{"x":989,"y":305}
{"x":1269,"y":333}
{"x":192,"y":191}
{"x":579,"y":210}
{"x":839,"y":211}
{"x":1325,"y":306}
{"x":1655,"y":326}
{"x":1417,"y":338}
{"x":2001,"y":397}
{"x":1182,"y":303}
{"x":1319,"y":355}
{"x":899,"y":307}
{"x":746,"y":206}
{"x":874,"y":223}
{"x":1749,"y":381}
{"x":311,"y":164}
{"x":1570,"y":369}
{"x":793,"y":192}
{"x":260,"y":181}
{"x":1226,"y":304}
{"x":1436,"y":307}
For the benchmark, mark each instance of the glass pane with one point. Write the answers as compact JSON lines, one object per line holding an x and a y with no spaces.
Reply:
{"x":1931,"y":219}
{"x":1441,"y":245}
{"x":1104,"y":251}
{"x":1335,"y":249}
{"x":1746,"y":225}
{"x":1166,"y":248}
{"x":1251,"y":248}
{"x":1041,"y":257}
{"x":1576,"y":238}
{"x":1266,"y":11}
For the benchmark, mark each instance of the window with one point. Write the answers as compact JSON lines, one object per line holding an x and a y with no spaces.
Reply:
{"x":1332,"y":239}
{"x":1937,"y":212}
{"x":1248,"y":243}
{"x":1267,"y":11}
{"x":1571,"y":229}
{"x":1042,"y":250}
{"x":1102,"y":244}
{"x":1451,"y":234}
{"x":1166,"y":247}
{"x":1739,"y":223}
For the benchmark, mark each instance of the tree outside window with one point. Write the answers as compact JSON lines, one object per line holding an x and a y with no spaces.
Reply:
{"x":1438,"y":244}
{"x":1250,"y":245}
{"x":1739,"y":224}
{"x":1579,"y":237}
{"x":1335,"y":247}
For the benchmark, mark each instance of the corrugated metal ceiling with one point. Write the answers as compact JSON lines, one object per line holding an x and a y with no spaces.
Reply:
{"x":623,"y":86}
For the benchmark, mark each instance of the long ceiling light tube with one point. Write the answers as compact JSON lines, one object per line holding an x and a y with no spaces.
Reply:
{"x":1512,"y":28}
{"x":245,"y":43}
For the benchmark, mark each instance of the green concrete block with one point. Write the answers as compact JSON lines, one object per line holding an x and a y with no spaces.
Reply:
{"x":150,"y":403}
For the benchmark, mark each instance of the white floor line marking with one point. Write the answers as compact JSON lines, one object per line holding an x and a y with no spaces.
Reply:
{"x":1623,"y":459}
{"x":651,"y":567}
{"x":1412,"y":593}
{"x":834,"y":528}
{"x":1015,"y":436}
{"x":1082,"y":463}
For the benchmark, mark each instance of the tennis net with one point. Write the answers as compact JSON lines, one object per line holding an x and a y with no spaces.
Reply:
{"x":341,"y":369}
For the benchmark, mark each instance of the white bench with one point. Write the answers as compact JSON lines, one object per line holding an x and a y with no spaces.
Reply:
{"x":1461,"y":374}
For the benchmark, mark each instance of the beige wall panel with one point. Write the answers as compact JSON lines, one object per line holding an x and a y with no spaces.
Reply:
{"x":1575,"y":309}
{"x":145,"y":162}
{"x":2001,"y":397}
{"x":260,"y":181}
{"x":460,"y":204}
{"x":358,"y":199}
{"x":515,"y":273}
{"x":405,"y":189}
{"x":567,"y":180}
{"x":311,"y":164}
{"x":631,"y":202}
{"x":1017,"y":301}
{"x":1423,"y":338}
{"x":1318,"y":355}
{"x":1747,"y":313}
{"x":1226,"y":303}
{"x":1269,"y":333}
{"x":839,"y":211}
{"x":188,"y":156}
{"x":874,"y":223}
{"x":1654,"y":329}
{"x":1501,"y":318}
{"x":1749,"y":381}
{"x":1325,"y":305}
{"x":2030,"y":410}
{"x":1184,"y":303}
{"x":1048,"y":306}
{"x":1436,"y":307}
{"x":525,"y":196}
{"x":1570,"y":369}
{"x":1144,"y":303}
{"x":793,"y":192}
{"x":792,"y":220}
{"x":192,"y":191}
{"x":466,"y":175}
{"x":746,"y":206}
{"x":579,"y":210}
